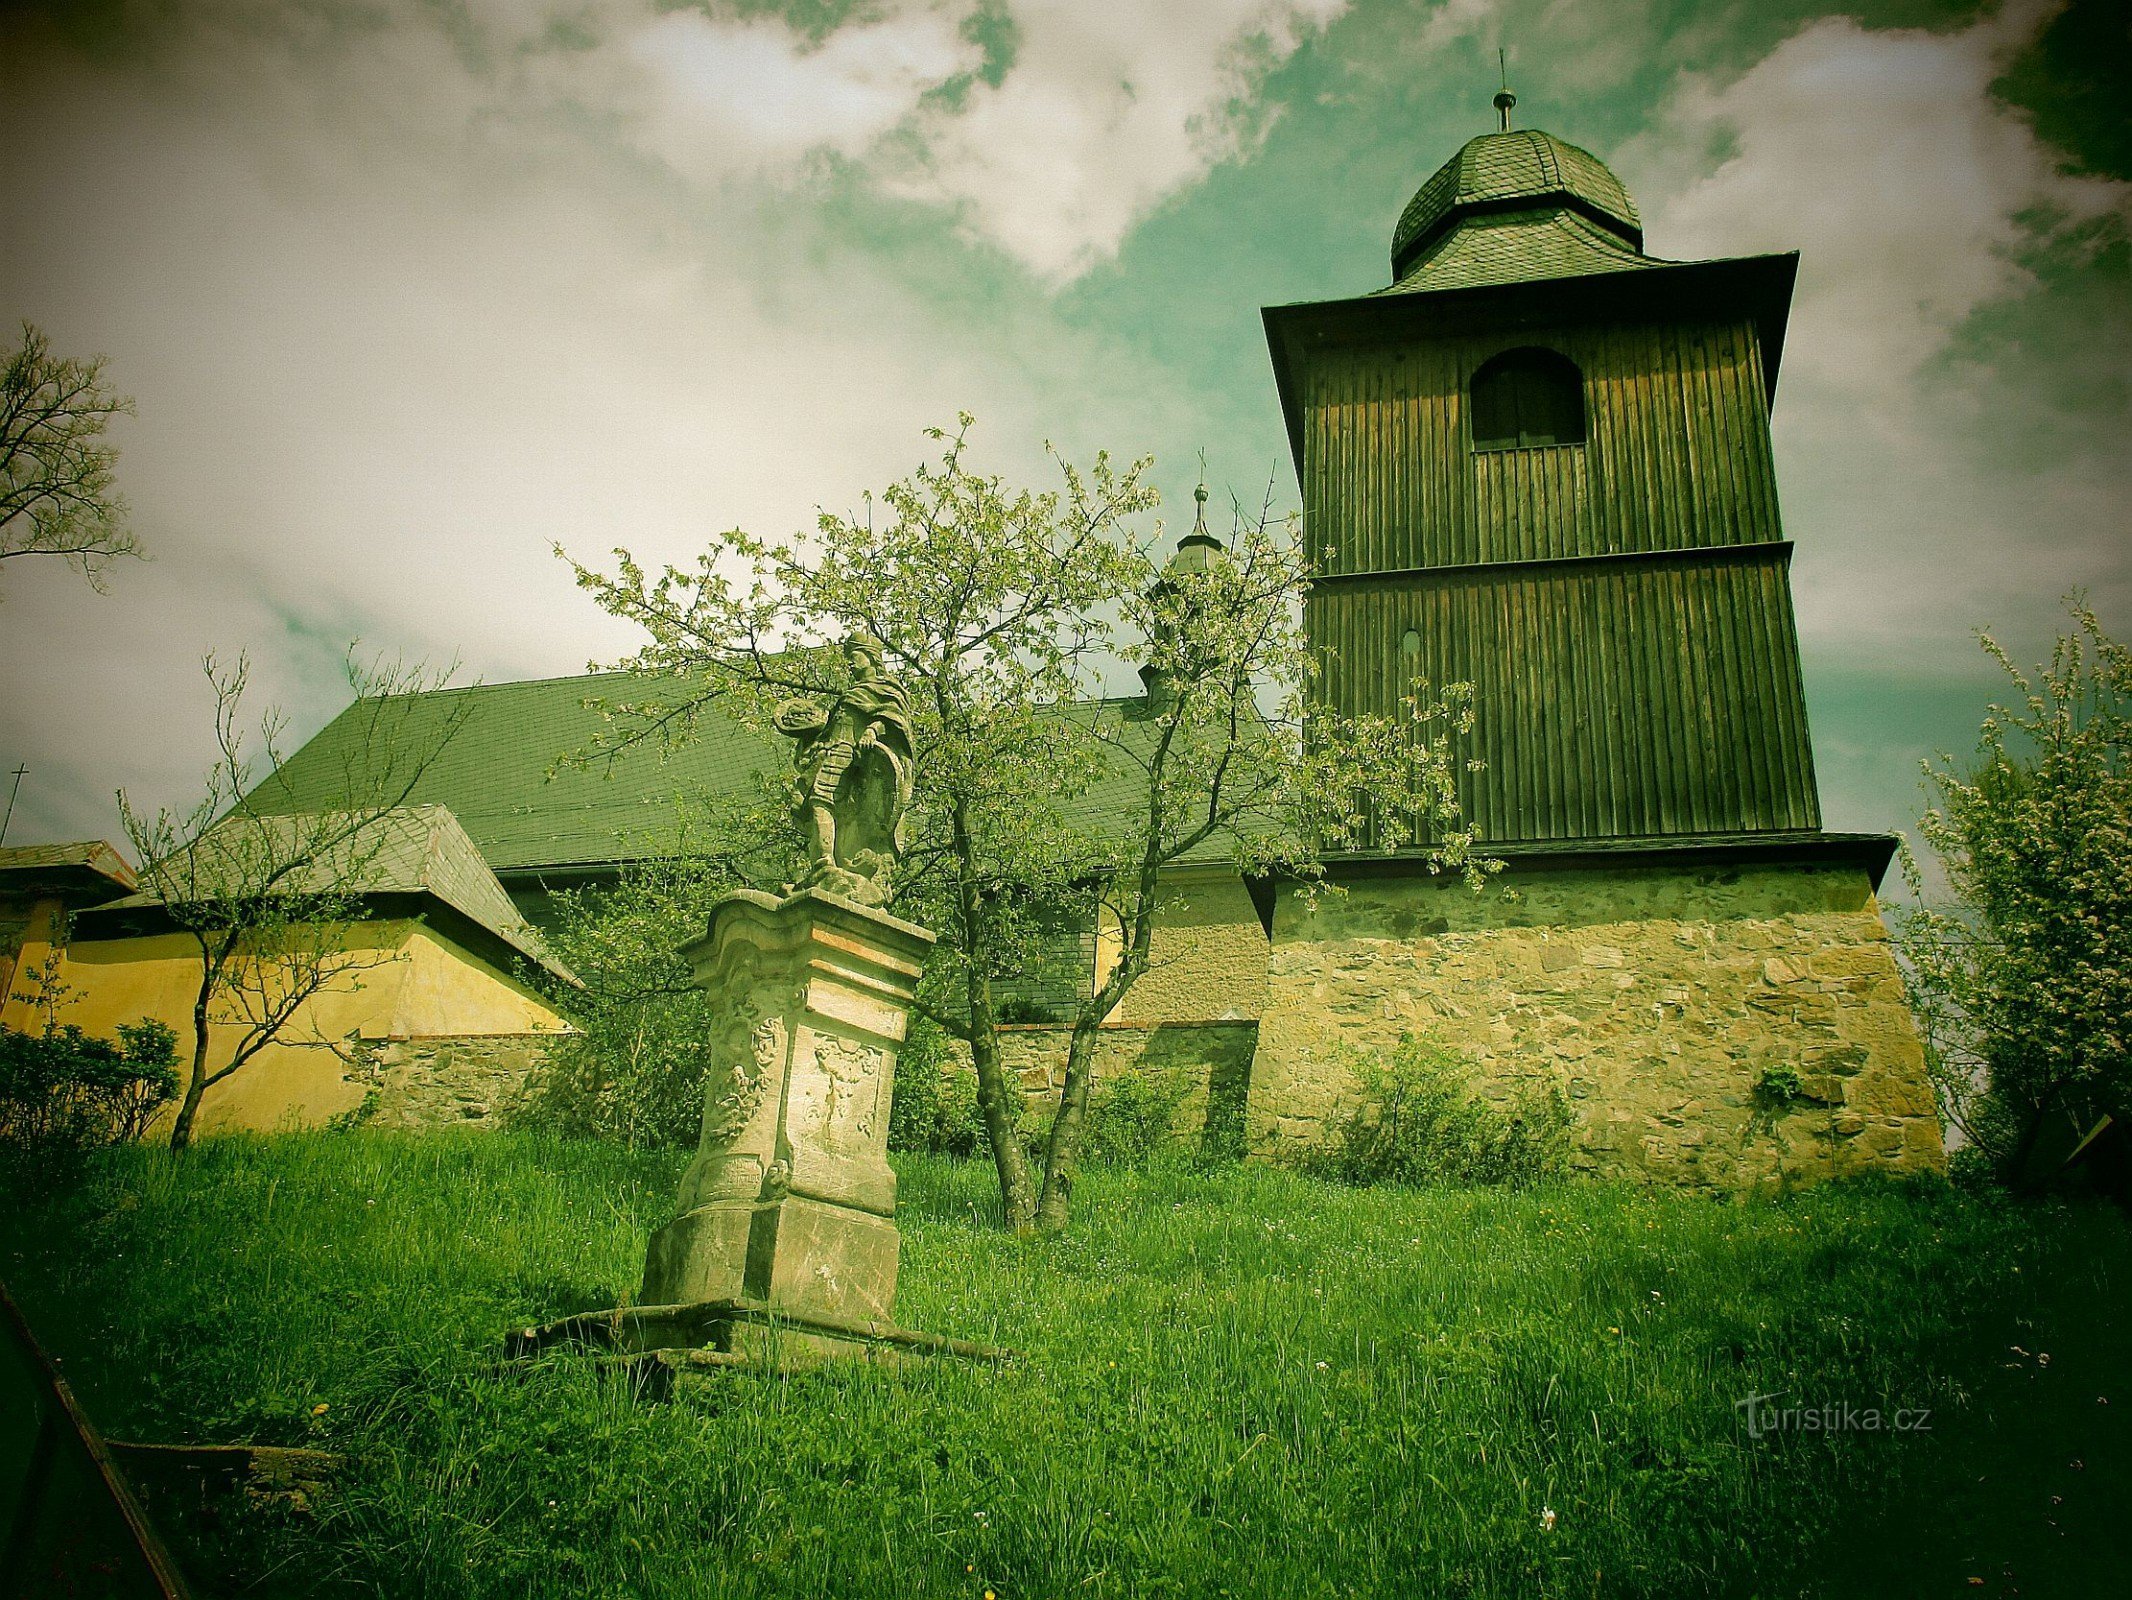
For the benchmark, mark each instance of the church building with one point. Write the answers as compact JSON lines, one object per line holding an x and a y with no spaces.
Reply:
{"x":1540,"y":463}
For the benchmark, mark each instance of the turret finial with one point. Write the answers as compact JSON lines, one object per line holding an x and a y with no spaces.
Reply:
{"x":1199,"y":512}
{"x":1504,"y":99}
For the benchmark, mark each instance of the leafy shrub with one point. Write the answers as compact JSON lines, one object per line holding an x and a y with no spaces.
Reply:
{"x":1779,"y":1085}
{"x":1417,"y":1121}
{"x":1971,"y":1169}
{"x":633,"y":1069}
{"x":1134,"y":1117}
{"x":2021,"y":981}
{"x":64,"y":1092}
{"x":1016,"y":1009}
{"x":934,"y":1111}
{"x":631,"y":1075}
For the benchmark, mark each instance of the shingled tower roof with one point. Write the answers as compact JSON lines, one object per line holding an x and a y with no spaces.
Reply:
{"x":1520,"y":223}
{"x":1513,"y":171}
{"x":1512,"y":206}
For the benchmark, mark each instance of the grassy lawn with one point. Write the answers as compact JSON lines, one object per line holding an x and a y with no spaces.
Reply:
{"x":1238,"y":1382}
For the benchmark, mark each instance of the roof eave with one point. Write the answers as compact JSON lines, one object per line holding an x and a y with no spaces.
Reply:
{"x":1870,"y":853}
{"x":1624,"y":228}
{"x":142,"y":916}
{"x":1276,"y":323}
{"x":83,"y":873}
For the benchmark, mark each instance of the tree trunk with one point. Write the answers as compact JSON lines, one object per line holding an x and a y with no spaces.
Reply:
{"x":1062,"y":1154}
{"x":999,"y":1102}
{"x":999,"y":1098}
{"x":196,"y":1084}
{"x":2017,"y":1175}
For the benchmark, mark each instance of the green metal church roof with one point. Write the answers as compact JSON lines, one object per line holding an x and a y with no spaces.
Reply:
{"x":500,"y":773}
{"x":1519,"y":170}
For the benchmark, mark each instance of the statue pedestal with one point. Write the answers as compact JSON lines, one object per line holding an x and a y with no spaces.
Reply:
{"x":784,"y":1253}
{"x":790,"y":1200}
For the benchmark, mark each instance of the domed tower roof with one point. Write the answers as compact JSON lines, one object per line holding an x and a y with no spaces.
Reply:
{"x":1518,"y":170}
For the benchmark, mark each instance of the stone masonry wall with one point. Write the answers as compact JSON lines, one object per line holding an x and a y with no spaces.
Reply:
{"x":1206,"y":1064}
{"x":453,"y":1080}
{"x":1656,"y":998}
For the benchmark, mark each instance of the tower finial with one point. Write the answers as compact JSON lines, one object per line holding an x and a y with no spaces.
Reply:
{"x":1199,"y":511}
{"x":1504,"y":99}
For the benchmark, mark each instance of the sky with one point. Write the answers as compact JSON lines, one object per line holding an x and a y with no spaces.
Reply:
{"x":410,"y":292}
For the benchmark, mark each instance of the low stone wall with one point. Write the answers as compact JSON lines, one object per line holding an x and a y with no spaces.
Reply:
{"x":1207,"y":1065}
{"x":1658,"y":999}
{"x":445,"y":1080}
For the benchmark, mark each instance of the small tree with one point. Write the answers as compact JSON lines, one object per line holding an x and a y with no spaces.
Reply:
{"x":271,"y":901}
{"x":2023,"y":985}
{"x":633,"y":1067}
{"x":1000,"y":609}
{"x":56,"y":480}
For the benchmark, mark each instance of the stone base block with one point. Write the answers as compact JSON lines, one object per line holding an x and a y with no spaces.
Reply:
{"x":1661,"y":999}
{"x":803,"y":1256}
{"x":658,"y":1343}
{"x":700,"y":1255}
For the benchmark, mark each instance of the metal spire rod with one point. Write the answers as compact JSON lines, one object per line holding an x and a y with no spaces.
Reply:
{"x":9,"y":815}
{"x":1504,"y":99}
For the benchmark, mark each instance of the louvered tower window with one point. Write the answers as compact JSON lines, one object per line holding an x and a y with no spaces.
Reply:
{"x":1524,"y":398}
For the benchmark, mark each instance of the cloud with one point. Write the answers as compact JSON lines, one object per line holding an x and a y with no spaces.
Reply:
{"x":1885,"y":158}
{"x":404,"y":304}
{"x":1086,"y":118}
{"x":1921,"y":206}
{"x":1107,"y":109}
{"x":711,"y":96}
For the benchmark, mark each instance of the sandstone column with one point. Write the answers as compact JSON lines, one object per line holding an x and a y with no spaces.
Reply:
{"x":790,"y":1199}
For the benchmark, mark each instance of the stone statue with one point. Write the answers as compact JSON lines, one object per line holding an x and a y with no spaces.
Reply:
{"x":854,"y":762}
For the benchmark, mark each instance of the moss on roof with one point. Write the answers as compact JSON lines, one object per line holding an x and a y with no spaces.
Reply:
{"x":411,"y":851}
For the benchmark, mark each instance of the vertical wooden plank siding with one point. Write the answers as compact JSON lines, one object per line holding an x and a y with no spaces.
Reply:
{"x":1643,"y":697}
{"x":1677,"y":451}
{"x":1622,"y":607}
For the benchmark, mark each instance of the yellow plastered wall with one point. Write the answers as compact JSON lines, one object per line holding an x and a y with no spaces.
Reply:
{"x":25,"y":946}
{"x":1208,"y":954}
{"x":421,"y":983}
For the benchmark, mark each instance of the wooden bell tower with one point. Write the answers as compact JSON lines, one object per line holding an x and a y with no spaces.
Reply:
{"x":1541,"y":462}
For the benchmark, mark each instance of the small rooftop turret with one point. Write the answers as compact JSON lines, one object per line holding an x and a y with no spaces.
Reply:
{"x":1196,"y":553}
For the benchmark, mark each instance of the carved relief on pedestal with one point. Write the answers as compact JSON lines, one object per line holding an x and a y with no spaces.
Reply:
{"x":747,"y":1049}
{"x":842,"y":1094}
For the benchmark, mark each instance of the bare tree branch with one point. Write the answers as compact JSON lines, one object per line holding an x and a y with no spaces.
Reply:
{"x":57,"y":470}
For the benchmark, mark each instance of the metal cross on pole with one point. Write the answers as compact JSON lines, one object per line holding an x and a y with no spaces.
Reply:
{"x":9,"y":816}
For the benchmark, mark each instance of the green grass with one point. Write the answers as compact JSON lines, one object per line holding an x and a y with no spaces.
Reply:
{"x":1238,"y":1383}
